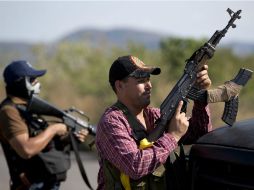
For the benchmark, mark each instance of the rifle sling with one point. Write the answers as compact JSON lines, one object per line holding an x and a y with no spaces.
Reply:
{"x":138,"y":130}
{"x":79,"y":162}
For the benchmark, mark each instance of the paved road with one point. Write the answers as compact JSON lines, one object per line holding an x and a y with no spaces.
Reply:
{"x":74,"y":179}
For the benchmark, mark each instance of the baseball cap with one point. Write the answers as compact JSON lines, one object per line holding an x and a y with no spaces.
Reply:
{"x":130,"y":66}
{"x":20,"y":68}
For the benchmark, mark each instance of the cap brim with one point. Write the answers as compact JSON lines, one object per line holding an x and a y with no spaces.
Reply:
{"x":155,"y":71}
{"x":151,"y":70}
{"x":145,"y":72}
{"x":36,"y":73}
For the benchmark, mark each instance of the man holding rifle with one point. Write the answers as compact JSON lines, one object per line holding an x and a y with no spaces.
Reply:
{"x":37,"y":153}
{"x":125,"y":161}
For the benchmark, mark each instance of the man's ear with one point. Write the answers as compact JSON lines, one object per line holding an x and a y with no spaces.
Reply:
{"x":118,"y":85}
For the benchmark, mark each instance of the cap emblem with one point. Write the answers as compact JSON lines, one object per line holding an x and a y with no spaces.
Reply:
{"x":137,"y":62}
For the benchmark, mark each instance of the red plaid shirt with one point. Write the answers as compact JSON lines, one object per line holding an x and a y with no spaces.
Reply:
{"x":115,"y":143}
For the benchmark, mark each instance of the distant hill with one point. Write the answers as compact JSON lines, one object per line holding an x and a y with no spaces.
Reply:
{"x":10,"y":51}
{"x":115,"y":37}
{"x":241,"y":48}
{"x":15,"y":47}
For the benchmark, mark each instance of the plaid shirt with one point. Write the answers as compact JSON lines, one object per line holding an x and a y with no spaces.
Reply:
{"x":115,"y":143}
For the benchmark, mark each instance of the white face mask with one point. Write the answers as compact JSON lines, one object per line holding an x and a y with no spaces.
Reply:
{"x":32,"y":89}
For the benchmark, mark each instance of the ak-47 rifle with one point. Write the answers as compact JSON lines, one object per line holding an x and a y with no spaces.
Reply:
{"x":187,"y":81}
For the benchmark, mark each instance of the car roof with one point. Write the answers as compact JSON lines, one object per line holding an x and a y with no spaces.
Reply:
{"x":240,"y":135}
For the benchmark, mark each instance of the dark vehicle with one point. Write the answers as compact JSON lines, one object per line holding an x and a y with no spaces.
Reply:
{"x":224,"y":158}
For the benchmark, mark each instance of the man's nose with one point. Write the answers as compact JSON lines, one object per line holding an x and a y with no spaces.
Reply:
{"x":148,"y":84}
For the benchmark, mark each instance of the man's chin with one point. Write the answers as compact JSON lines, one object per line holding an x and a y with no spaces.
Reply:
{"x":147,"y":103}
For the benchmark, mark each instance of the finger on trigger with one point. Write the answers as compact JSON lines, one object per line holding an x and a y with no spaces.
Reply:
{"x":179,"y":107}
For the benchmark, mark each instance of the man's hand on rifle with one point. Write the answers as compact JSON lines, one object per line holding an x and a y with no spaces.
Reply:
{"x":81,"y":135}
{"x":203,"y":80}
{"x":179,"y":123}
{"x":60,"y":129}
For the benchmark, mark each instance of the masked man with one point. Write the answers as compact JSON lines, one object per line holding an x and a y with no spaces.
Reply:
{"x":37,"y":153}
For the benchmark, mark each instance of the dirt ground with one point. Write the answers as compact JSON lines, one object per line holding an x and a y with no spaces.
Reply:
{"x":74,"y":180}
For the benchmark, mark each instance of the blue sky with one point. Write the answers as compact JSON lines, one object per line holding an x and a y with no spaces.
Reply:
{"x":46,"y":21}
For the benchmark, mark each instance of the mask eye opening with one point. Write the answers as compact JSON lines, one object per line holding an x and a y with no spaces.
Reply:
{"x":32,"y":79}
